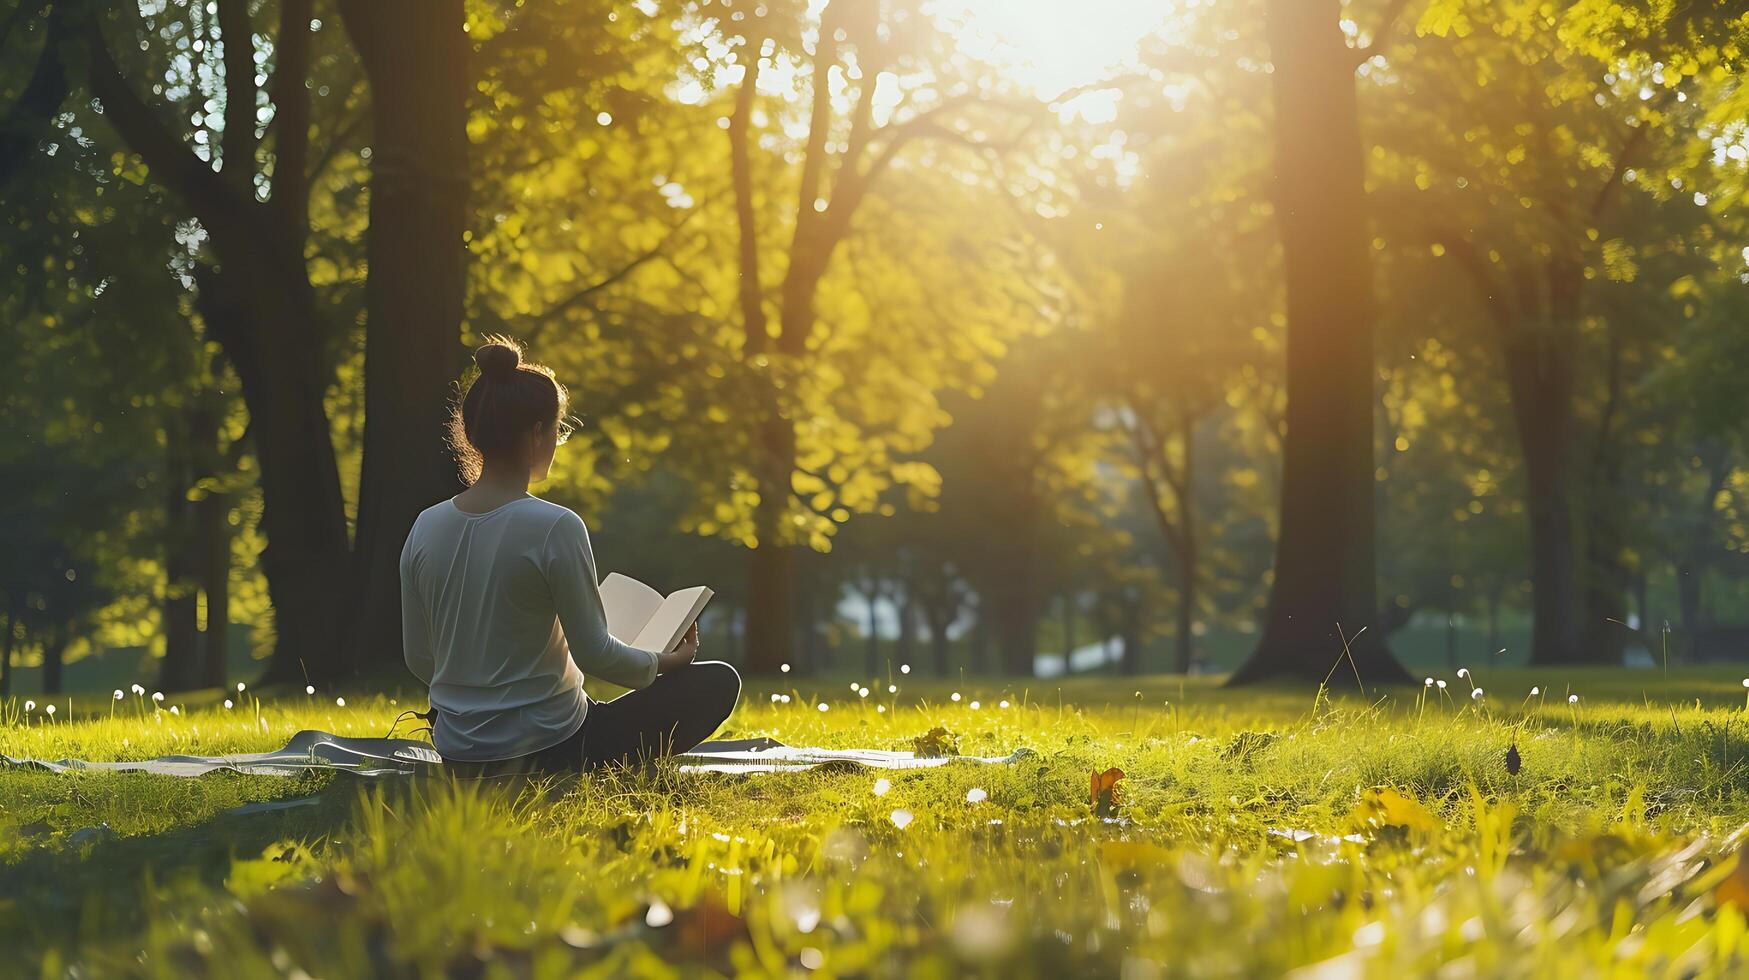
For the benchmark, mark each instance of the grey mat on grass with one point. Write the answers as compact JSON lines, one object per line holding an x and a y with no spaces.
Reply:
{"x":312,"y":750}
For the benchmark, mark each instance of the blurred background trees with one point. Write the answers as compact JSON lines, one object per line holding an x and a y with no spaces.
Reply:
{"x":923,"y":347}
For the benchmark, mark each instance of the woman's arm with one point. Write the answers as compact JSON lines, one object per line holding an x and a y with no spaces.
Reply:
{"x":415,"y":635}
{"x":570,"y":571}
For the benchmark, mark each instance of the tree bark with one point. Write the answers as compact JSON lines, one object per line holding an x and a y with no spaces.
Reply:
{"x":416,"y":55}
{"x":6,"y":643}
{"x":181,"y":664}
{"x":54,"y":658}
{"x":1324,"y":596}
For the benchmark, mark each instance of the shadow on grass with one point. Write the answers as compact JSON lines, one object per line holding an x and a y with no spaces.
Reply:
{"x":93,"y":890}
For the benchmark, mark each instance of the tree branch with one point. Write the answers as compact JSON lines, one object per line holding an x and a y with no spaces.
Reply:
{"x":41,"y":98}
{"x":1381,"y":37}
{"x":581,"y":296}
{"x":171,"y":163}
{"x":292,"y":174}
{"x":752,"y":292}
{"x":237,"y":34}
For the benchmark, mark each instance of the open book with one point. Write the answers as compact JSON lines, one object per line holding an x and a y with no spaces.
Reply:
{"x":639,"y":616}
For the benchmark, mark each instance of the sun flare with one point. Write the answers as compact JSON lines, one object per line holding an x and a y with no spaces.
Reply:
{"x":1051,"y":46}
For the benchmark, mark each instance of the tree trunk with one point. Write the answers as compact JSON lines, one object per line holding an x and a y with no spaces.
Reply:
{"x":1688,"y":605}
{"x":871,"y":655}
{"x":179,"y":670}
{"x":6,"y":643}
{"x":938,"y":642}
{"x":263,"y":319}
{"x":1017,"y":610}
{"x":54,"y":654}
{"x":1324,"y":588}
{"x":212,"y":514}
{"x":416,"y":55}
{"x":905,"y":646}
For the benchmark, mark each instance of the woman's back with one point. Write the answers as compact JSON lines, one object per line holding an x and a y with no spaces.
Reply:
{"x":488,"y":603}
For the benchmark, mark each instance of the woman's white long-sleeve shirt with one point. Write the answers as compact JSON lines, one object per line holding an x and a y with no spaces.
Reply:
{"x":498,"y":612}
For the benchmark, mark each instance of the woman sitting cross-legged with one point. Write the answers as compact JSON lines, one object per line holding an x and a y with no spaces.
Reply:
{"x":502,"y":616}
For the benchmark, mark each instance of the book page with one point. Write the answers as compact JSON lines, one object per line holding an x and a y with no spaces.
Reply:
{"x":629,"y":604}
{"x":671,"y":622}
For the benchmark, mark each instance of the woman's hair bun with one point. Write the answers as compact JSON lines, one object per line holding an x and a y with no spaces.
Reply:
{"x":497,"y":358}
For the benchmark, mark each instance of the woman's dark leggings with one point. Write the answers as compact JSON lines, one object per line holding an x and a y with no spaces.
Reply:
{"x":678,"y":711}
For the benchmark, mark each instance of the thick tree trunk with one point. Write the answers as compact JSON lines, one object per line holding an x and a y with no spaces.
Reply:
{"x":179,"y":670}
{"x":263,"y":318}
{"x":416,"y":55}
{"x":905,"y":646}
{"x":1324,"y":588}
{"x":6,"y":642}
{"x":54,"y":658}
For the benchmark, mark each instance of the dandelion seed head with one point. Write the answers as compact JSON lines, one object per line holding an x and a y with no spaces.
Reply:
{"x":784,"y":668}
{"x":118,"y":694}
{"x":240,"y":686}
{"x":974,"y":705}
{"x":1439,"y":684}
{"x":49,"y":708}
{"x":1002,"y":703}
{"x":862,"y":692}
{"x":157,"y":695}
{"x":880,"y":709}
{"x":228,"y":704}
{"x":175,"y":710}
{"x":956,"y":695}
{"x":882,"y":785}
{"x":1476,"y":695}
{"x":1535,"y":691}
{"x":976,"y":795}
{"x":340,"y":702}
{"x":892,"y":688}
{"x":137,"y":689}
{"x":1429,"y":682}
{"x":904,"y":668}
{"x":1572,"y":699}
{"x":901,"y":818}
{"x":824,"y":707}
{"x":309,"y":688}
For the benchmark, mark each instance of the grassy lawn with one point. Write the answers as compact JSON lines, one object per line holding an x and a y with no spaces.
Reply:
{"x":1256,"y":833}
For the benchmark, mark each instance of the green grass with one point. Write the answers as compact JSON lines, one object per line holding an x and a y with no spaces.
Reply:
{"x":1252,"y":837}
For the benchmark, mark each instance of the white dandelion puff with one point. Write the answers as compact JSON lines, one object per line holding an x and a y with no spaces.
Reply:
{"x":1463,"y":671}
{"x":784,"y":668}
{"x":1535,"y":691}
{"x":29,"y":706}
{"x":974,"y":705}
{"x":340,"y":702}
{"x":175,"y":710}
{"x":50,"y":709}
{"x":882,"y":785}
{"x":904,"y":668}
{"x":892,"y":688}
{"x":862,"y":692}
{"x":823,"y":706}
{"x":956,"y":695}
{"x":228,"y":704}
{"x":240,"y":686}
{"x":901,"y":818}
{"x":1002,"y":703}
{"x":1572,"y":699}
{"x":1476,"y":695}
{"x":1439,"y":684}
{"x":976,"y":795}
{"x":1429,"y":682}
{"x":157,"y":695}
{"x":309,"y":688}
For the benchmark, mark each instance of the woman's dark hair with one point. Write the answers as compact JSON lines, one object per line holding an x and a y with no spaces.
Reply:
{"x":506,"y":399}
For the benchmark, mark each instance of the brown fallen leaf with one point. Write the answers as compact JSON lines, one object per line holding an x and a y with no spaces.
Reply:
{"x":1102,"y":791}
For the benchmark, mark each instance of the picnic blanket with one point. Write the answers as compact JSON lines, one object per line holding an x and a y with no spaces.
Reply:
{"x":313,"y":750}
